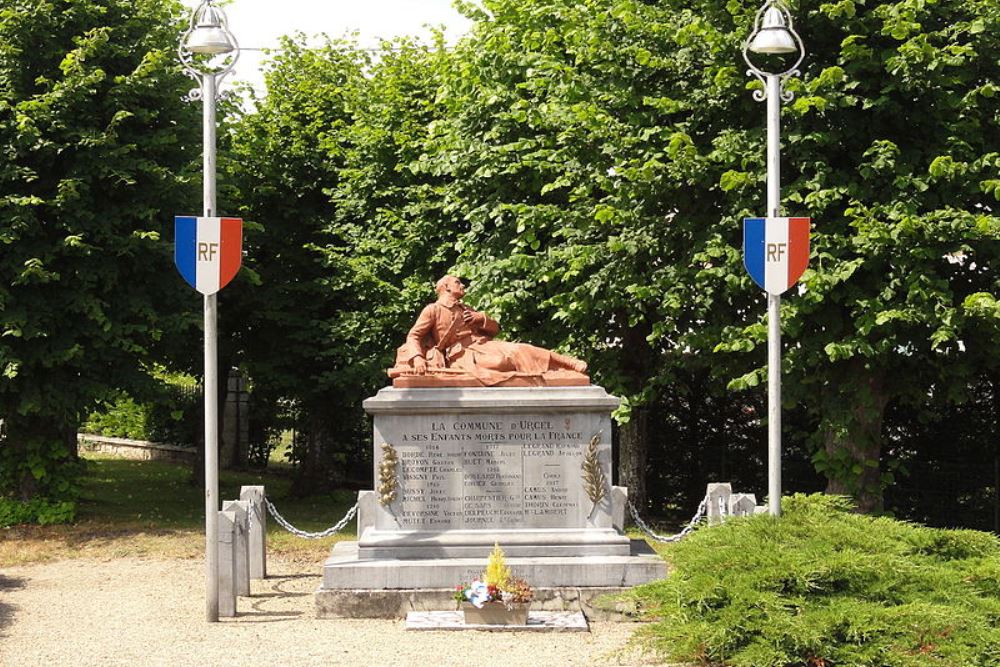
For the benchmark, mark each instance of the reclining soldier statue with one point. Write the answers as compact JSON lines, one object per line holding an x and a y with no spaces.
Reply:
{"x":452,"y":345}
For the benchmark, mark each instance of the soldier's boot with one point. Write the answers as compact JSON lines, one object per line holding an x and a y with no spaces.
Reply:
{"x":562,"y":361}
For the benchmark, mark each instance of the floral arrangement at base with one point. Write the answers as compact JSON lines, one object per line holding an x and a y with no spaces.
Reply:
{"x":496,"y":585}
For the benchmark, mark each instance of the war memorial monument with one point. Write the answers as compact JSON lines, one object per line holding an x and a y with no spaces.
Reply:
{"x":480,"y":441}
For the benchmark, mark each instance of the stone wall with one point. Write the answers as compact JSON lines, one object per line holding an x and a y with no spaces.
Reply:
{"x":139,"y":450}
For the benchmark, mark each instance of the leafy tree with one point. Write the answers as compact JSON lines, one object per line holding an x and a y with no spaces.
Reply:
{"x":563,"y":169}
{"x":891,"y":145}
{"x":602,"y":154}
{"x":285,"y":155}
{"x":399,"y":240}
{"x":342,"y":250}
{"x":587,"y":164}
{"x":95,"y":139}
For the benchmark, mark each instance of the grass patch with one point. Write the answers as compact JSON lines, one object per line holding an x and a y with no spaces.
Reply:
{"x":150,"y":509}
{"x":824,"y":587}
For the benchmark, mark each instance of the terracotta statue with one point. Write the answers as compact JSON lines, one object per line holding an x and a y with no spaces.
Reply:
{"x":452,"y":345}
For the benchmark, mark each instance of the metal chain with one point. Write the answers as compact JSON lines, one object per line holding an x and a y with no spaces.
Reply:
{"x":644,"y":527}
{"x":336,"y":528}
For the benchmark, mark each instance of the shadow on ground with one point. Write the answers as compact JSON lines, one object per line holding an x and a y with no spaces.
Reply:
{"x":6,"y":609}
{"x":281,"y":601}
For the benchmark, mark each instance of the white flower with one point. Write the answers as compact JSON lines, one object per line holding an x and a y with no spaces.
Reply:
{"x":478,"y":594}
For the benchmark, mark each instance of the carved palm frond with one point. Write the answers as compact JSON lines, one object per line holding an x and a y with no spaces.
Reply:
{"x":594,"y":480}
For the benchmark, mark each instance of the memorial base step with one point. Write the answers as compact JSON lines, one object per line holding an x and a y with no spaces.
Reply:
{"x":390,"y":588}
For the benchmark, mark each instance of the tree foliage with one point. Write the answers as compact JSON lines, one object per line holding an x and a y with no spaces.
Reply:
{"x":891,"y":147}
{"x":603,"y":154}
{"x":341,"y":251}
{"x":95,"y":139}
{"x":587,"y":165}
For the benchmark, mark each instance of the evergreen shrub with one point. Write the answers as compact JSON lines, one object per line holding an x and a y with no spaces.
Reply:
{"x":822,"y":586}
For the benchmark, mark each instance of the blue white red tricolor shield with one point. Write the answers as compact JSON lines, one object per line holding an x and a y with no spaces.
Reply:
{"x":775,"y":251}
{"x":208,"y":251}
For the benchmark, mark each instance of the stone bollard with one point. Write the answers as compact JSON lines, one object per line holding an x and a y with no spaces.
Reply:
{"x":718,"y":501}
{"x":241,"y":544}
{"x":619,"y":501}
{"x":742,"y":504}
{"x":227,"y":564}
{"x":258,"y":530}
{"x":367,"y":507}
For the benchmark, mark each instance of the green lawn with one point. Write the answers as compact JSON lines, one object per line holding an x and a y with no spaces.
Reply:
{"x":161,"y":495}
{"x":151,"y":508}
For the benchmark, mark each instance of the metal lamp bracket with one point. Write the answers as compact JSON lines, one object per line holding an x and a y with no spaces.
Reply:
{"x":199,"y":70}
{"x":761,"y":95}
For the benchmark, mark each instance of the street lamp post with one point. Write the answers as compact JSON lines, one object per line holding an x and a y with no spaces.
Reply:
{"x":773,"y":35}
{"x":208,"y":51}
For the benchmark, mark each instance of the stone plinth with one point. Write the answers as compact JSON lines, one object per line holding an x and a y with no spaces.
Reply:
{"x":459,"y":469}
{"x":484,"y":465}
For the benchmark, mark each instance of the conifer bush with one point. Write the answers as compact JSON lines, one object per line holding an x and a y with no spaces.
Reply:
{"x":822,"y":586}
{"x":497,"y":573}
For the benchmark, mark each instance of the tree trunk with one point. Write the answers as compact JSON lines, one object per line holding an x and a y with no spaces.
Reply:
{"x":853,"y":443}
{"x":27,"y":485}
{"x":72,"y":444}
{"x":222,"y":389}
{"x":995,"y":381}
{"x":632,"y":438}
{"x":37,"y":442}
{"x":637,"y":366}
{"x":198,"y":462}
{"x":318,"y":469}
{"x":311,"y":466}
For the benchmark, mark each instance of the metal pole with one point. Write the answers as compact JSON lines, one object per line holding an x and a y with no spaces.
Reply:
{"x":211,"y":374}
{"x":774,"y":302}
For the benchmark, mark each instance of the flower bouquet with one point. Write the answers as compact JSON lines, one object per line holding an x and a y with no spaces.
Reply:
{"x":497,"y":597}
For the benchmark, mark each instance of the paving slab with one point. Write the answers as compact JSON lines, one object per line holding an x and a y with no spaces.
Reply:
{"x":538,"y":621}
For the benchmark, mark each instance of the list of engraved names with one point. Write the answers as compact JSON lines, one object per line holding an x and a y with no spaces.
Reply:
{"x":491,"y":472}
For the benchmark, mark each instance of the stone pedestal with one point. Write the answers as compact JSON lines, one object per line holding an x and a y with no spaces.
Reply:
{"x":459,"y":469}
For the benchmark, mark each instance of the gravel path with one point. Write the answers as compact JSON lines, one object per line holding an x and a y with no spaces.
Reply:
{"x":151,"y":612}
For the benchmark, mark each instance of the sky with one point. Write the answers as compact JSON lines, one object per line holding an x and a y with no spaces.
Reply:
{"x":259,"y":23}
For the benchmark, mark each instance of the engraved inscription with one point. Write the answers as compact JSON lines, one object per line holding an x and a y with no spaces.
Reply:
{"x":491,"y":473}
